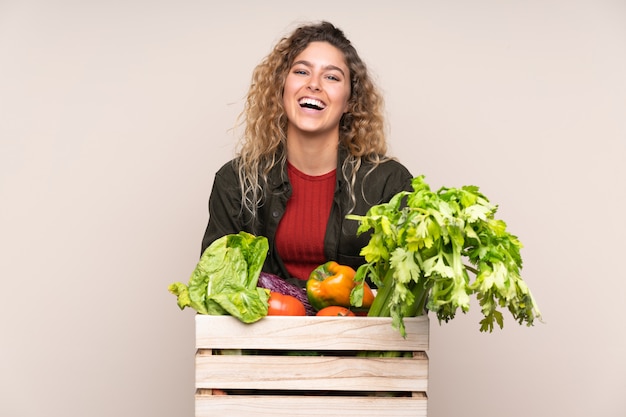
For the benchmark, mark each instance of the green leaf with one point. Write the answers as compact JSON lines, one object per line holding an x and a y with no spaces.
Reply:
{"x":420,"y":242}
{"x":181,"y":291}
{"x":248,"y":305}
{"x":225,"y":279}
{"x":404,"y":265}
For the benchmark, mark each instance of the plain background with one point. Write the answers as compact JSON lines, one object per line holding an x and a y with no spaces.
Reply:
{"x":115,"y":115}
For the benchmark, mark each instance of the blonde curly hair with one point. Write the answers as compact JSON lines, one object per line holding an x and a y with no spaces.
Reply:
{"x":263,"y":145}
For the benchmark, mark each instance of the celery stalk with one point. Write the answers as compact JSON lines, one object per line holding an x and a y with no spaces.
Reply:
{"x":420,"y":243}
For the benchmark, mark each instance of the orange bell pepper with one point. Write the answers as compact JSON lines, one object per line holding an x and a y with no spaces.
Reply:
{"x":330,"y":284}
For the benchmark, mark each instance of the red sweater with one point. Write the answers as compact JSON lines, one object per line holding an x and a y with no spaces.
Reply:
{"x":301,"y":231}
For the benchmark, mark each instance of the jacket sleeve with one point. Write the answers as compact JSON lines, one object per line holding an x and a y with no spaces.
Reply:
{"x":398,"y":179}
{"x":225,"y":214}
{"x":373,"y":187}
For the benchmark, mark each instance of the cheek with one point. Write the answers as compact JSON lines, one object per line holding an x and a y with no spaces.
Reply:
{"x":291,"y":84}
{"x":286,"y":94}
{"x":289,"y":90}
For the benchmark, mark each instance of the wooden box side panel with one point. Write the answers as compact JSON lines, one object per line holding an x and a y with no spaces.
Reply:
{"x":311,"y":333}
{"x":303,"y":406}
{"x":322,"y":373}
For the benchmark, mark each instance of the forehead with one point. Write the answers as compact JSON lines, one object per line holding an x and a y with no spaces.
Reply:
{"x":323,"y":54}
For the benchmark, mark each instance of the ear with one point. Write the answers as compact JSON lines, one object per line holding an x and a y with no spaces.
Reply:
{"x":347,"y":107}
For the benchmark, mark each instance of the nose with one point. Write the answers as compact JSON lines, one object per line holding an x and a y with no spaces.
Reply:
{"x":314,"y":84}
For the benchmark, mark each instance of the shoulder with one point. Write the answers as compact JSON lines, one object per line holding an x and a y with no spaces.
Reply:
{"x":226,"y":178}
{"x":389,"y":169}
{"x":228,"y":173}
{"x":228,"y":168}
{"x":393,"y":166}
{"x":383,"y":180}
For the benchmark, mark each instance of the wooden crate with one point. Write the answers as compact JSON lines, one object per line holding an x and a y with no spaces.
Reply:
{"x":310,"y":366}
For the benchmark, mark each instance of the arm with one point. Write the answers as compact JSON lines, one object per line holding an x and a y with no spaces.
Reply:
{"x":379,"y":186}
{"x":225,"y":214}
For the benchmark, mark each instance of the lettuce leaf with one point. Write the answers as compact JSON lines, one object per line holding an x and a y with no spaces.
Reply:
{"x":225,"y":279}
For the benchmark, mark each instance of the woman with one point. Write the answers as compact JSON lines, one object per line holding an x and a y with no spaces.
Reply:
{"x":313,"y":151}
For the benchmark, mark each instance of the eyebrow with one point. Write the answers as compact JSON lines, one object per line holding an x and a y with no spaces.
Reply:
{"x":326,"y":67}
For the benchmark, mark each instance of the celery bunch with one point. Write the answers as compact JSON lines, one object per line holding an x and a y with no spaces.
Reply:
{"x":424,"y":245}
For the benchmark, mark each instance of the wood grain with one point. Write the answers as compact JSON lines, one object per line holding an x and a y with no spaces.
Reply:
{"x":312,"y":373}
{"x":310,"y":366}
{"x":303,"y":406}
{"x":311,"y":332}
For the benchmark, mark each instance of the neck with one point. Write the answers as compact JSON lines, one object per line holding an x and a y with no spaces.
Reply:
{"x":312,"y":156}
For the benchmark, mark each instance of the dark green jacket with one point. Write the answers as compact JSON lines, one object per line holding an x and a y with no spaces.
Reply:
{"x":341,"y":243}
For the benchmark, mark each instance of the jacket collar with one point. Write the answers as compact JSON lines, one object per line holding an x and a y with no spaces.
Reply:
{"x":279,"y":178}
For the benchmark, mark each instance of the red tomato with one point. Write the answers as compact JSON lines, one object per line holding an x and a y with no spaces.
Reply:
{"x":285,"y":305}
{"x":335,"y":311}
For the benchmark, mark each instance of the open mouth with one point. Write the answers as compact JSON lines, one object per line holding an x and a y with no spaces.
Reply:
{"x":311,"y":103}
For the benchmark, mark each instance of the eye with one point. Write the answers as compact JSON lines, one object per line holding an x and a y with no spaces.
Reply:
{"x":300,"y":71}
{"x":333,"y":77}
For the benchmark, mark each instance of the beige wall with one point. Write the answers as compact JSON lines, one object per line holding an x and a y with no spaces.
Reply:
{"x":114,"y":116}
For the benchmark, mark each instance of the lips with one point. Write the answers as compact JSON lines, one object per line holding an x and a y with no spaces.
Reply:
{"x":311,"y":103}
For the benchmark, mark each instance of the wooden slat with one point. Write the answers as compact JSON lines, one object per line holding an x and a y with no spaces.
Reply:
{"x":312,"y":373}
{"x":311,"y":333}
{"x":264,"y":377}
{"x":303,"y":406}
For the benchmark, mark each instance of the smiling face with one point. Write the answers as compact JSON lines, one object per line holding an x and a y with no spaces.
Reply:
{"x":316,"y":92}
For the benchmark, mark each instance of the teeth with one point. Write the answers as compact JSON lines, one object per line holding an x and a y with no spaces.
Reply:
{"x":311,"y":103}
